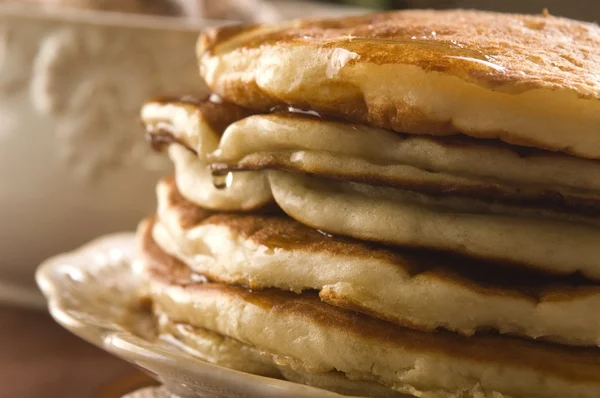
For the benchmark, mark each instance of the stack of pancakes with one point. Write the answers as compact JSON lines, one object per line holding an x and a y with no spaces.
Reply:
{"x":397,"y":203}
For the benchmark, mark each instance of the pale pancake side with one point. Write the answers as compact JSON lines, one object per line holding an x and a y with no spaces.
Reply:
{"x":197,"y":185}
{"x":331,"y":148}
{"x":324,"y":338}
{"x":191,"y":129}
{"x":197,"y":123}
{"x":535,"y":239}
{"x":228,"y":352}
{"x":441,"y":165}
{"x":420,"y":290}
{"x":247,"y":191}
{"x":215,"y":348}
{"x":552,"y":241}
{"x":527,"y":80}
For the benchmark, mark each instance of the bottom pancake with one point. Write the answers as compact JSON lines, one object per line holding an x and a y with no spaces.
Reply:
{"x":312,"y":337}
{"x":215,"y":348}
{"x":225,"y":351}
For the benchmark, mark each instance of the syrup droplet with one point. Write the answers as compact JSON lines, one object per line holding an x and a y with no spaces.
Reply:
{"x":159,"y":140}
{"x":479,"y":61}
{"x":198,"y":278}
{"x":290,"y":109}
{"x":297,"y":156}
{"x":221,"y":181}
{"x":215,"y":98}
{"x":216,"y":154}
{"x":325,"y":233}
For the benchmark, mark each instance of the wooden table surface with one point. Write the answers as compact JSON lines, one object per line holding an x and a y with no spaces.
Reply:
{"x":39,"y":359}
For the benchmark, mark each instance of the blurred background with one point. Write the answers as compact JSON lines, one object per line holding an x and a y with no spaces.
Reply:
{"x":588,"y":10}
{"x":73,"y":161}
{"x":241,"y":9}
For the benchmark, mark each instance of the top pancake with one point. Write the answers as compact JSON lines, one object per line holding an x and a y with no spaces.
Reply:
{"x":527,"y":80}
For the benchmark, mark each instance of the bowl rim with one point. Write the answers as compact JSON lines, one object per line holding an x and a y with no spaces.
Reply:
{"x":70,"y":15}
{"x":106,"y":251}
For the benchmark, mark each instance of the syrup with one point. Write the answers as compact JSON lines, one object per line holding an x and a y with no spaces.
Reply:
{"x":428,"y":51}
{"x":222,"y":181}
{"x":159,"y":139}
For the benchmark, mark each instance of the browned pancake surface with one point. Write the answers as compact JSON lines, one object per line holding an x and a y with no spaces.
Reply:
{"x":531,"y":51}
{"x":574,"y":364}
{"x":275,"y":231}
{"x":481,"y":59}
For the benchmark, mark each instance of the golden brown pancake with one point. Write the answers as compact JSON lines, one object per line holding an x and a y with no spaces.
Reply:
{"x":527,"y":80}
{"x":553,"y":242}
{"x":482,"y":200}
{"x":410,"y":288}
{"x":396,"y":203}
{"x":315,"y":337}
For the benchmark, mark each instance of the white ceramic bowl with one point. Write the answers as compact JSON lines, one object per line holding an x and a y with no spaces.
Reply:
{"x":73,"y":161}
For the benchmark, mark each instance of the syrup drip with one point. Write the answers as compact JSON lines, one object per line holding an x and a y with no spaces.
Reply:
{"x":215,"y":98}
{"x":290,"y":109}
{"x":327,"y":234}
{"x":160,"y":139}
{"x":478,"y":61}
{"x":222,"y":181}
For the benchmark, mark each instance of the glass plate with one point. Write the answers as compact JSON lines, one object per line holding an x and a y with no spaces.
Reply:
{"x":94,"y":292}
